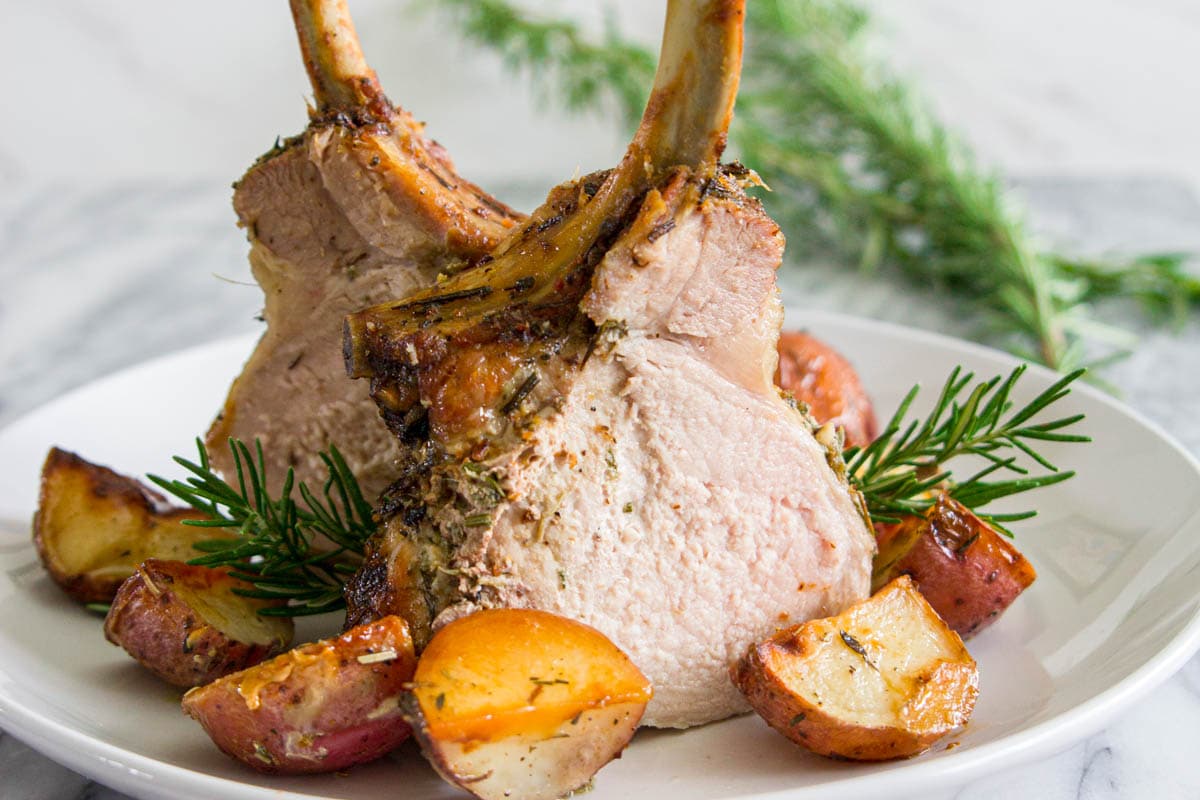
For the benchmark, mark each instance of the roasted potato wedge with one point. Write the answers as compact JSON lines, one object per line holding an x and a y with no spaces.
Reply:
{"x":821,"y":378}
{"x":885,"y":679}
{"x":317,"y":708}
{"x":93,"y":527}
{"x":187,"y":626}
{"x":514,"y":703}
{"x":967,"y":571}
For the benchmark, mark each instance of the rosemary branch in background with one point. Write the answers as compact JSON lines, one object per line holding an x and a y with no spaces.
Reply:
{"x":583,"y":70}
{"x":299,"y":552}
{"x":899,"y":470}
{"x":858,"y":167}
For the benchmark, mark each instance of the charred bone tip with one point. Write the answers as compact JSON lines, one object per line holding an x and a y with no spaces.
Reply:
{"x":344,"y":85}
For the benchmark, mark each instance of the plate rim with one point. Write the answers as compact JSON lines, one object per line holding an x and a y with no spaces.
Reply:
{"x":144,"y":776}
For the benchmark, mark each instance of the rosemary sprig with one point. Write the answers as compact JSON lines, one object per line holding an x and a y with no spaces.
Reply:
{"x":898,"y":472}
{"x":857,"y":165}
{"x":304,"y":552}
{"x":301,"y":552}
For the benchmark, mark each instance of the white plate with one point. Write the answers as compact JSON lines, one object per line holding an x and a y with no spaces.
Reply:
{"x":1114,"y":612}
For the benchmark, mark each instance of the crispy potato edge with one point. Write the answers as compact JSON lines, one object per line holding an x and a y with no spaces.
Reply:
{"x":93,"y":526}
{"x":947,"y":691}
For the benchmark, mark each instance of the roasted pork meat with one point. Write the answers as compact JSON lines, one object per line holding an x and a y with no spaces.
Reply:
{"x":588,"y":417}
{"x":359,"y":208}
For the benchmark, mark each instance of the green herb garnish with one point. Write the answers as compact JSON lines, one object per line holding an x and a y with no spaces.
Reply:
{"x":898,"y":472}
{"x":520,"y":394}
{"x":856,"y":646}
{"x":300,"y":551}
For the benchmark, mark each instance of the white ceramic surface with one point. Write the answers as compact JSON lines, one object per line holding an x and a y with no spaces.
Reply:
{"x":1115,"y":611}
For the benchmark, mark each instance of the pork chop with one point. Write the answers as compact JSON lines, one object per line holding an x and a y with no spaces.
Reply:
{"x":359,"y":208}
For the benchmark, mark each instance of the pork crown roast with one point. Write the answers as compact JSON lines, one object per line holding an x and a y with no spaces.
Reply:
{"x":359,"y":208}
{"x":587,"y":420}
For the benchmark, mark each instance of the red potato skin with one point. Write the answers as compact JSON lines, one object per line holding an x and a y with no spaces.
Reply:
{"x":316,"y":708}
{"x":967,"y":571}
{"x":807,"y":725}
{"x":821,"y":378}
{"x":164,"y":634}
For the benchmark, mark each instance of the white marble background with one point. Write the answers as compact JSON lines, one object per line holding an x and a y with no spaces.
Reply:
{"x":159,"y":89}
{"x":125,"y":123}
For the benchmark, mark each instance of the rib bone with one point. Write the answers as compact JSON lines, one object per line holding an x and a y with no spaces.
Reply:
{"x":341,"y":79}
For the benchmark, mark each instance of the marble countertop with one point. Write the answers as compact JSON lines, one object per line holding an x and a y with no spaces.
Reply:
{"x":88,"y":270}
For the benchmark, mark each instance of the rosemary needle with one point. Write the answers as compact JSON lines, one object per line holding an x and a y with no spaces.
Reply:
{"x":300,"y":551}
{"x":898,"y":472}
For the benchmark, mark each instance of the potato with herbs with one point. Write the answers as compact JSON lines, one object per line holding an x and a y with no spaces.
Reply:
{"x":518,"y":703}
{"x":967,"y":571}
{"x":320,"y":707}
{"x":885,"y":679}
{"x":188,"y":626}
{"x":93,"y":527}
